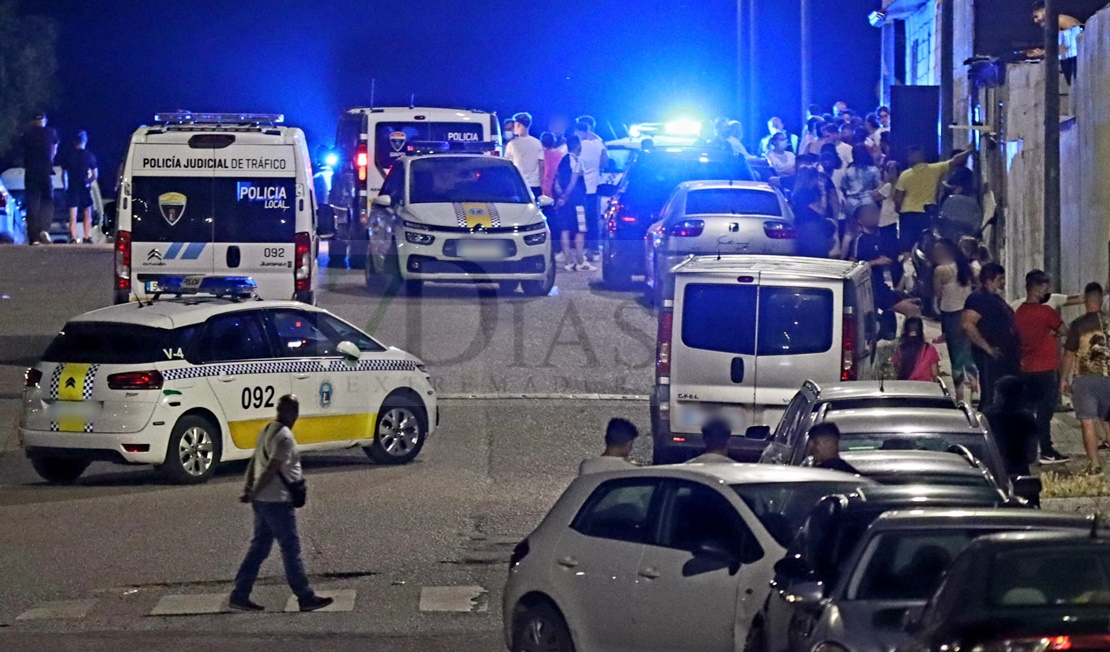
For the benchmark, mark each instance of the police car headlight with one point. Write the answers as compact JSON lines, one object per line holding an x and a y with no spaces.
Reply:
{"x":416,"y":225}
{"x":419,"y":238}
{"x":536,"y":238}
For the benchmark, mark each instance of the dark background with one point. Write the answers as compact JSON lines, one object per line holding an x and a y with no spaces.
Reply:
{"x":622,"y":62}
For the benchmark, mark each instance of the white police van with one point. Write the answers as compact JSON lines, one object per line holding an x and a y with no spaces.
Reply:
{"x":218,"y":193}
{"x":188,"y":382}
{"x":369,"y":141}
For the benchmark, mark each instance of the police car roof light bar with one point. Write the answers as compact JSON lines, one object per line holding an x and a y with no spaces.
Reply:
{"x":187,"y":117}
{"x":234,"y":287}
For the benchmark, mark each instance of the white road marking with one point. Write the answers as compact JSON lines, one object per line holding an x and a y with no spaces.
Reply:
{"x":344,"y":601}
{"x":191,"y":604}
{"x":457,"y":599}
{"x":58,"y":610}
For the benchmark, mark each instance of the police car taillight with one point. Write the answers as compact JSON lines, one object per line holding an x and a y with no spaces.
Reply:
{"x":302,"y":254}
{"x":135,"y":380}
{"x":123,"y":260}
{"x":362,"y":160}
{"x":32,"y":378}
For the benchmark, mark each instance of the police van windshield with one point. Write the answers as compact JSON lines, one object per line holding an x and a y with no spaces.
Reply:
{"x":199,"y":209}
{"x":390,"y":138}
{"x":455,"y":179}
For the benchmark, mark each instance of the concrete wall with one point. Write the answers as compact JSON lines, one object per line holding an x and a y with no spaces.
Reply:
{"x":1023,"y":147}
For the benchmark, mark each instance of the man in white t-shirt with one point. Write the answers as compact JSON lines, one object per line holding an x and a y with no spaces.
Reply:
{"x":594,"y":158}
{"x":526,"y":152}
{"x":620,"y":435}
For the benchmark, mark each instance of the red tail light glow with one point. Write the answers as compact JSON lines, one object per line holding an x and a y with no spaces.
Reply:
{"x":123,"y":260}
{"x":779,"y":231}
{"x":848,"y":348}
{"x":663,"y":343}
{"x":32,"y":377}
{"x":302,"y":255}
{"x":362,"y":160}
{"x":688,"y":228}
{"x":135,"y":380}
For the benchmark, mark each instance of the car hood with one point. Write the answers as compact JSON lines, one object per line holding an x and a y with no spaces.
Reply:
{"x":851,"y":623}
{"x":471,"y":214}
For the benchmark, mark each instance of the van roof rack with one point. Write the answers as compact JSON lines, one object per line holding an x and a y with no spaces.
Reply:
{"x":188,"y":117}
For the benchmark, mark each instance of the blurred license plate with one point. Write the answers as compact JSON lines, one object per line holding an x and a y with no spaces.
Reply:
{"x":152,"y":287}
{"x":480,"y":249}
{"x":60,"y":410}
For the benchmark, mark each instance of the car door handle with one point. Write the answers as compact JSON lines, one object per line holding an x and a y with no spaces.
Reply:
{"x":649,"y":573}
{"x":302,"y":376}
{"x":225,"y":379}
{"x":567,"y":562}
{"x":736,"y":371}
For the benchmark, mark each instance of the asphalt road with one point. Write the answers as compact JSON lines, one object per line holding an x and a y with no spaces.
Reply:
{"x":421,"y":550}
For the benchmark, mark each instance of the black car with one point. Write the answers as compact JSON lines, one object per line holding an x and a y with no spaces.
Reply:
{"x":1030,"y":591}
{"x":651,"y":176}
{"x":819,"y":552}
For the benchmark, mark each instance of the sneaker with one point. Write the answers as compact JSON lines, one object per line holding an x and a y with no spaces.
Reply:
{"x":571,"y":267}
{"x":1103,"y":446}
{"x":1053,"y":457}
{"x":44,"y":237}
{"x":243,"y":604}
{"x":315,"y":602}
{"x":586,"y":267}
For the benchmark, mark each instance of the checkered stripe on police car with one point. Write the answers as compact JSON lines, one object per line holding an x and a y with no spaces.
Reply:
{"x":494,"y":216}
{"x":460,"y":214}
{"x":87,"y":387}
{"x":292,"y":366}
{"x":89,"y":427}
{"x":54,"y":427}
{"x":55,"y":380}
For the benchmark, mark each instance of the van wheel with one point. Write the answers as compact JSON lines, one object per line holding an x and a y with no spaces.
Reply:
{"x":541,"y":628}
{"x":193,"y":452}
{"x":399,"y":432}
{"x":59,"y":470}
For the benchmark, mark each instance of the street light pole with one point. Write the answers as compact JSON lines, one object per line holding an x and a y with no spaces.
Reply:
{"x":804,"y":54}
{"x":1052,"y":139}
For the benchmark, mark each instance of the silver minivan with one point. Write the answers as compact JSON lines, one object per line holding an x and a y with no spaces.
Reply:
{"x":739,"y":334}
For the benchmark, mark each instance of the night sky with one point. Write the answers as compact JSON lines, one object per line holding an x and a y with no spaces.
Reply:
{"x":622,"y":62}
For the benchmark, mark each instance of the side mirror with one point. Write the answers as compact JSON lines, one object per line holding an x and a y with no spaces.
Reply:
{"x":808,"y":593}
{"x":349,"y":351}
{"x":108,"y":219}
{"x":325,"y":221}
{"x":1028,"y":487}
{"x":758,"y":433}
{"x":543,"y":201}
{"x":792,"y":569}
{"x":385,"y":201}
{"x":607,"y":189}
{"x":715,"y":551}
{"x":911,"y":621}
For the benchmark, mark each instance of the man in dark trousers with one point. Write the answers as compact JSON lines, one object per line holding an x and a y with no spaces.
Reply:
{"x":1039,"y":329}
{"x":81,"y":172}
{"x":40,"y":145}
{"x":989,"y":323}
{"x":275,"y":466}
{"x":824,"y":447}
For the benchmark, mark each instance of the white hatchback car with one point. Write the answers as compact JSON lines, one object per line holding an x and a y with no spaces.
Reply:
{"x":659,"y":558}
{"x":188,"y":382}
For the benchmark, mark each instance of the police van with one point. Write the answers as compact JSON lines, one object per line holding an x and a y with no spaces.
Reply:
{"x":370,"y":140}
{"x":217,"y":193}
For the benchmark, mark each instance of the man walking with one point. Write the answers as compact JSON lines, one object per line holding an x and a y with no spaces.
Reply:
{"x":275,"y":466}
{"x":81,"y":172}
{"x":824,"y":447}
{"x":1087,"y":353}
{"x":526,"y":152}
{"x":40,"y":145}
{"x":594,"y":158}
{"x":715,"y":434}
{"x":916,"y":191}
{"x":988,"y":322}
{"x":620,"y":435}
{"x":1039,"y":329}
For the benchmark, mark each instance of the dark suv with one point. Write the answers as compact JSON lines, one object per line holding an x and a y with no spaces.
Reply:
{"x":650,"y":178}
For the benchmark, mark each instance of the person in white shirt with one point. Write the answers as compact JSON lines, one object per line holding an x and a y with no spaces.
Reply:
{"x":715,"y":434}
{"x":620,"y":436}
{"x":781,"y":159}
{"x":526,"y":152}
{"x":594,"y":158}
{"x":735,"y":134}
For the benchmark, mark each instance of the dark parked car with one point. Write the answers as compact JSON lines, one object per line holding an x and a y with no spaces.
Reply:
{"x":650,"y":177}
{"x":1029,"y":591}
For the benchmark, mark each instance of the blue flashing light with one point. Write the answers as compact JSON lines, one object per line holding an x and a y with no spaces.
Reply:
{"x":220,"y":286}
{"x":331,"y":159}
{"x":683,"y":127}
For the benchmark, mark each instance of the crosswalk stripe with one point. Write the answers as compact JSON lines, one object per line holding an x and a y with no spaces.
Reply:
{"x":455,"y":599}
{"x":191,"y":604}
{"x":344,"y":601}
{"x":58,"y":610}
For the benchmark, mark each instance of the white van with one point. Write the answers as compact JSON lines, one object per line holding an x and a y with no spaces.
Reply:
{"x":369,"y":141}
{"x":222,"y":194}
{"x":740,"y":334}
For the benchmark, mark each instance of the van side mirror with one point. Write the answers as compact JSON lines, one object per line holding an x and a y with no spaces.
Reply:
{"x":385,"y":201}
{"x":758,"y":433}
{"x":325,"y":221}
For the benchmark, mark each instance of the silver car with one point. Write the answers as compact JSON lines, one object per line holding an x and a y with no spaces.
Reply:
{"x":716,"y":217}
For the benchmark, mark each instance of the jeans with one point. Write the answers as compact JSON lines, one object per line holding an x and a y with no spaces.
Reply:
{"x":991,"y":370}
{"x":273,"y":521}
{"x":910,"y":227}
{"x":39,"y":195}
{"x":1042,"y":391}
{"x":959,"y":347}
{"x":593,"y":222}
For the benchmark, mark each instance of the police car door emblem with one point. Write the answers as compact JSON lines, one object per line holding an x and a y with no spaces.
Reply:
{"x":325,"y":394}
{"x":172,"y":206}
{"x":397,"y":140}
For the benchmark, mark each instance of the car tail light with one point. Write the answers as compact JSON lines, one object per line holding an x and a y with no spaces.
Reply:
{"x":302,"y":254}
{"x":519,"y":553}
{"x":135,"y":380}
{"x":32,"y":377}
{"x":779,"y":231}
{"x":663,"y":343}
{"x":688,"y":228}
{"x":848,"y":348}
{"x":362,"y":160}
{"x":1050,"y":644}
{"x":123,"y":260}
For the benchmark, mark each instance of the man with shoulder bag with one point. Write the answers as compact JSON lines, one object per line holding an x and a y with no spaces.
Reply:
{"x":274,"y":488}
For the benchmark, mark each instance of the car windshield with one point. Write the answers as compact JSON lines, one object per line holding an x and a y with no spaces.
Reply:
{"x":782,"y":507}
{"x":932,"y":479}
{"x":652,"y":179}
{"x":109,"y":343}
{"x":1039,"y":577}
{"x":906,"y":565}
{"x":913,"y":441}
{"x":463,"y":179}
{"x":732,"y":201}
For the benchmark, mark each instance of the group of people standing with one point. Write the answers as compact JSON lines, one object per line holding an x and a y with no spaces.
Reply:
{"x":40,"y":149}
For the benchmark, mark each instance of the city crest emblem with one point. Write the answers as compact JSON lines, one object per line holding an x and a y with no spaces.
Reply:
{"x":397,"y":140}
{"x":172,"y":206}
{"x":325,"y":394}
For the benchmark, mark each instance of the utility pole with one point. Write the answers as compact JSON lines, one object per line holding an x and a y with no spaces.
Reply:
{"x":947,"y":71}
{"x":1052,"y":139}
{"x":805,"y":59}
{"x":753,"y":79}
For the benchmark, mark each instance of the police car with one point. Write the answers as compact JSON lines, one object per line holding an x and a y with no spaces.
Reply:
{"x":458,"y":217}
{"x":218,"y":193}
{"x":187,"y":382}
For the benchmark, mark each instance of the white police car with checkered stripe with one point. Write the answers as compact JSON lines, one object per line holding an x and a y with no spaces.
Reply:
{"x":185,"y":383}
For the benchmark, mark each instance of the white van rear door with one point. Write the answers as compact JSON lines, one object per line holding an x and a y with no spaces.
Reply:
{"x":713,"y":366}
{"x":257,"y":201}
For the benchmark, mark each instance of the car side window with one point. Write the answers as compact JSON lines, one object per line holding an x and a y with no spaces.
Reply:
{"x":338,"y":329}
{"x":696,"y":515}
{"x":620,"y":510}
{"x":299,"y":336}
{"x":789,"y":422}
{"x":231,"y":337}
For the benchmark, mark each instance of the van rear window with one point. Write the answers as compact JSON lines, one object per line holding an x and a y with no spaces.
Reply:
{"x":390,"y":138}
{"x":199,"y":209}
{"x":791,"y":321}
{"x":110,"y":343}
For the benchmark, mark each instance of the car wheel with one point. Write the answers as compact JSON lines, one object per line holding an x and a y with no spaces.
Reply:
{"x":59,"y":470}
{"x":541,"y":288}
{"x":399,"y":432}
{"x":541,"y":628}
{"x":193,"y":452}
{"x":755,"y":641}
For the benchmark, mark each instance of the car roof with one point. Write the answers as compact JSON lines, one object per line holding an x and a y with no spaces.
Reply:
{"x":878,"y":389}
{"x":726,"y":184}
{"x":896,"y":461}
{"x":879,"y":496}
{"x":958,"y":518}
{"x":740,"y":473}
{"x":896,"y":420}
{"x":174,"y":313}
{"x":771,"y":265}
{"x":448,"y":155}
